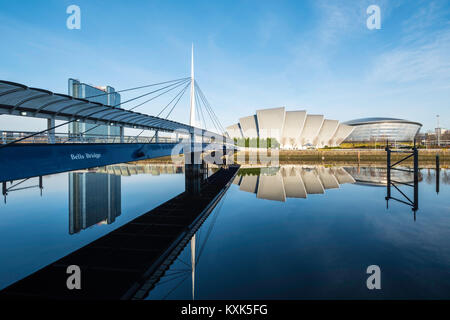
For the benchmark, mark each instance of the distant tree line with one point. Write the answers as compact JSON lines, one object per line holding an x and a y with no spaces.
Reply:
{"x":269,"y":143}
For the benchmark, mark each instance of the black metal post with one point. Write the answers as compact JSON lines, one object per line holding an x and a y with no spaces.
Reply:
{"x":388,"y":171}
{"x":416,"y":178}
{"x":437,"y":173}
{"x":41,"y":185}
{"x":4,"y":190}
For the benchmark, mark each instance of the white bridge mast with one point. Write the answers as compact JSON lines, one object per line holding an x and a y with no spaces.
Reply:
{"x":192,"y":116}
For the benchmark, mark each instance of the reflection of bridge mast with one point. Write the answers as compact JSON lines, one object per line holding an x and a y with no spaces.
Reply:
{"x":193,"y":264}
{"x":192,"y":123}
{"x":136,"y":255}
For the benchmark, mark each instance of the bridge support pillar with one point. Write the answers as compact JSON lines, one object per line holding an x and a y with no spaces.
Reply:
{"x":51,"y":132}
{"x":194,"y":177}
{"x":122,"y":135}
{"x":194,"y":169}
{"x":157,"y":136}
{"x":225,"y":152}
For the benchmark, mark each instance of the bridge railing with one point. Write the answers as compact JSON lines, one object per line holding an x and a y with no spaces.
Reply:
{"x":11,"y":136}
{"x":61,"y":138}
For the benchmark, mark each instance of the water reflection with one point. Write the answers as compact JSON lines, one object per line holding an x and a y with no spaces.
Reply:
{"x":94,"y":198}
{"x":345,"y":230}
{"x":291,"y":181}
{"x":430,"y":177}
{"x":323,"y":252}
{"x":136,"y":254}
{"x":127,"y":169}
{"x":95,"y":194}
{"x":377,"y":176}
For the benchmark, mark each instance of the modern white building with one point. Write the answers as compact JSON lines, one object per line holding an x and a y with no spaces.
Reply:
{"x":292,"y":181}
{"x":292,"y":129}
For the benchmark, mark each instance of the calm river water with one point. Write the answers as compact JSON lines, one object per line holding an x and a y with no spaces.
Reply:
{"x":290,"y":232}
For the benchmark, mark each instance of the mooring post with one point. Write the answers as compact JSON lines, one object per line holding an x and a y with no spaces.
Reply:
{"x":416,"y":178}
{"x":388,"y":171}
{"x":437,"y":173}
{"x":4,"y":190}
{"x":41,"y":185}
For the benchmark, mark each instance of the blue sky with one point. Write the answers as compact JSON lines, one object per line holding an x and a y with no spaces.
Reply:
{"x":313,"y":55}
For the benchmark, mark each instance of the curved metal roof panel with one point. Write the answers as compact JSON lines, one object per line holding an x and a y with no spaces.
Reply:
{"x":18,"y":99}
{"x":361,"y":121}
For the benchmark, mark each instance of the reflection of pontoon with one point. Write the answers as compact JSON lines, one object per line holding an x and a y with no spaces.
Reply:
{"x":291,"y":181}
{"x":127,"y":169}
{"x":374,"y":176}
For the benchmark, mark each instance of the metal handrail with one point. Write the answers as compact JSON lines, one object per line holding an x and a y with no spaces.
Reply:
{"x":61,"y":137}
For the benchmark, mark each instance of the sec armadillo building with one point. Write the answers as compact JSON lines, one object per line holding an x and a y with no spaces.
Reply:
{"x":292,"y":129}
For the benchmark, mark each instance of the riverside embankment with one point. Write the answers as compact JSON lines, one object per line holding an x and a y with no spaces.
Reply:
{"x":331,"y":156}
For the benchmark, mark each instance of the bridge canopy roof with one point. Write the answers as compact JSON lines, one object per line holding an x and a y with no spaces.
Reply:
{"x":18,"y":99}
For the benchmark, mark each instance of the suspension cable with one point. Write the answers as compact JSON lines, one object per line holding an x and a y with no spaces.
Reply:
{"x":201,"y":109}
{"x":209,"y":109}
{"x":171,"y":101}
{"x":89,"y":115}
{"x":136,"y":88}
{"x":181,"y":91}
{"x":153,"y":98}
{"x":184,"y":90}
{"x":201,"y":101}
{"x":213,"y":113}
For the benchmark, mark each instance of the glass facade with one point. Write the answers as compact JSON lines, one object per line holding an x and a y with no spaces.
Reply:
{"x":85,"y":91}
{"x":94,"y":198}
{"x":378,"y":130}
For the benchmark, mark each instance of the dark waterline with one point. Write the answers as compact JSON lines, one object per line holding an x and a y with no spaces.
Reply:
{"x":289,"y":232}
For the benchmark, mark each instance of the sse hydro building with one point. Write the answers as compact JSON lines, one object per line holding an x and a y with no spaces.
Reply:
{"x":379,"y":129}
